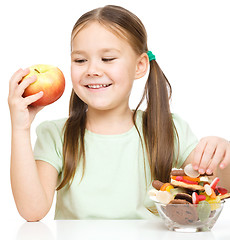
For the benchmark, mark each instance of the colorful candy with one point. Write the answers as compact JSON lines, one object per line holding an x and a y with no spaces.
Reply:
{"x":201,"y":197}
{"x":182,"y":179}
{"x":189,"y":187}
{"x":164,"y":197}
{"x":214,"y":183}
{"x":195,"y":198}
{"x":221,"y":190}
{"x":214,"y":203}
{"x":203,"y":210}
{"x":208,"y":189}
{"x":189,"y":171}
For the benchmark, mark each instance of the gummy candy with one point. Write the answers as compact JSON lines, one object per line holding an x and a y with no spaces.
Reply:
{"x":164,"y":197}
{"x":175,"y":191}
{"x":168,"y":188}
{"x":189,"y":171}
{"x":195,"y":198}
{"x":203,"y":210}
{"x":213,"y":195}
{"x":208,"y":189}
{"x":201,"y":197}
{"x":222,"y":190}
{"x":164,"y":186}
{"x":214,"y":203}
{"x":214,"y":183}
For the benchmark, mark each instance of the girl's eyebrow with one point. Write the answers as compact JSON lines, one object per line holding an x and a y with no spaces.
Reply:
{"x":103,"y":50}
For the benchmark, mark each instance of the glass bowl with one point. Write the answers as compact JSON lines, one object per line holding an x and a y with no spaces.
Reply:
{"x":190,"y":217}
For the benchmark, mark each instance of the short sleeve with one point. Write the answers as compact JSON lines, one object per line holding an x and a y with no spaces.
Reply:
{"x":48,"y":146}
{"x":187,"y":141}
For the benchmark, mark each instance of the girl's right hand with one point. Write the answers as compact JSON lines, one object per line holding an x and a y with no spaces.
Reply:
{"x":21,"y":113}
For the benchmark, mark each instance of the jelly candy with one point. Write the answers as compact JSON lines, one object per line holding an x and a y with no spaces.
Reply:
{"x":204,"y":194}
{"x":213,"y":195}
{"x":168,"y":188}
{"x":189,"y":171}
{"x":214,"y":183}
{"x":207,"y":189}
{"x":203,"y":210}
{"x":195,"y":198}
{"x":214,"y":203}
{"x":201,"y":197}
{"x":164,"y":197}
{"x":175,"y":191}
{"x":221,"y":190}
{"x":164,"y":186}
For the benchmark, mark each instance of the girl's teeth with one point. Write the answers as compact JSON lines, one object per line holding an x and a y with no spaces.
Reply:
{"x":98,"y":86}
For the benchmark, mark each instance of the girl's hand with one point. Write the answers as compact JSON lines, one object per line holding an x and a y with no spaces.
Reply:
{"x":21,"y":113}
{"x":211,"y":152}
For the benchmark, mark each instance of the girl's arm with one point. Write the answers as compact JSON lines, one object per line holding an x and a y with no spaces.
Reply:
{"x":33,"y":184}
{"x":212,"y":155}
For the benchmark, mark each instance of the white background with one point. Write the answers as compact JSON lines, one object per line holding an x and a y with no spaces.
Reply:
{"x":189,"y":38}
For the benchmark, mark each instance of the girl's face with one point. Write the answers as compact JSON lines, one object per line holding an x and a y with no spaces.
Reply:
{"x":103,"y":68}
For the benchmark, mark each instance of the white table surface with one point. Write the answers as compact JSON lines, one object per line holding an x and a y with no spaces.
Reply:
{"x":109,"y":229}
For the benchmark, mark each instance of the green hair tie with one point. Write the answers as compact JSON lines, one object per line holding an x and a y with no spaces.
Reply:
{"x":151,"y":56}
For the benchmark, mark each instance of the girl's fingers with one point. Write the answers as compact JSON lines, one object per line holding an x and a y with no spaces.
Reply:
{"x":16,"y":78}
{"x":217,"y":158}
{"x":209,"y":151}
{"x":226,"y":159}
{"x":199,"y":151}
{"x":33,"y":98}
{"x":24,"y":84}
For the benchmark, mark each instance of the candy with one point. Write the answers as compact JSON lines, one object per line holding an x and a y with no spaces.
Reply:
{"x":213,"y":195}
{"x":214,"y":203}
{"x":168,"y":188}
{"x":191,"y":179}
{"x":195,"y":198}
{"x":157,"y":184}
{"x":203,"y":210}
{"x":153,"y":192}
{"x":189,"y":182}
{"x":164,"y":186}
{"x":177,"y":172}
{"x":221,"y":190}
{"x":208,"y":189}
{"x":205,"y":195}
{"x":164,"y":197}
{"x":175,"y":191}
{"x":181,"y":179}
{"x":201,"y":197}
{"x":189,"y":171}
{"x":214,"y":183}
{"x":190,"y":188}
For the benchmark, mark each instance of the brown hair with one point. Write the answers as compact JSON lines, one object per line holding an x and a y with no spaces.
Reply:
{"x":158,"y":127}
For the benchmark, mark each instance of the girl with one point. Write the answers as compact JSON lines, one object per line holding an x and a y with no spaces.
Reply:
{"x":103,"y":158}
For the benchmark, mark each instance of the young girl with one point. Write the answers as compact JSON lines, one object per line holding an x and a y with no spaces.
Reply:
{"x":103,"y":158}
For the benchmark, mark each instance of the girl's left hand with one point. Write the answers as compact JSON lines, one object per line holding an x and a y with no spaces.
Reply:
{"x":211,"y":152}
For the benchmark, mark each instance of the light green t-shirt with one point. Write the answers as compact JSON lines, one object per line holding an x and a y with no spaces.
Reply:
{"x":114,"y":185}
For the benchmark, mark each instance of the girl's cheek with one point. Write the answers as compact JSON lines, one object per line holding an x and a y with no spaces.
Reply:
{"x":75,"y":75}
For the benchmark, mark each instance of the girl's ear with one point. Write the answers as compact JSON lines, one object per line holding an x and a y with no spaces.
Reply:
{"x":142,"y":65}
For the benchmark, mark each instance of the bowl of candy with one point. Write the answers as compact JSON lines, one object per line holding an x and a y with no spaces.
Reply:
{"x":182,"y":217}
{"x":190,"y":202}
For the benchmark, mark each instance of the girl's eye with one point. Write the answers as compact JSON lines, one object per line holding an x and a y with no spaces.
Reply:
{"x":80,"y":60}
{"x":108,"y":59}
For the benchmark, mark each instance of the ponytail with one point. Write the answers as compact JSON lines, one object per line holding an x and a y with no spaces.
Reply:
{"x":158,"y":127}
{"x":73,"y":146}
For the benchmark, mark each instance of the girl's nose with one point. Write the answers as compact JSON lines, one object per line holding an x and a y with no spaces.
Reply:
{"x":94,"y":70}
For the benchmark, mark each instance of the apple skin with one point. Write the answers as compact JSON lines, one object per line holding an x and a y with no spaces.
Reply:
{"x":50,"y":80}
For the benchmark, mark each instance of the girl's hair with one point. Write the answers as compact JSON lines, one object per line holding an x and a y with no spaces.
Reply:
{"x":158,"y":127}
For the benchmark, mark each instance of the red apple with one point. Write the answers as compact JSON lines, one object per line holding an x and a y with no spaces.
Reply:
{"x":50,"y":80}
